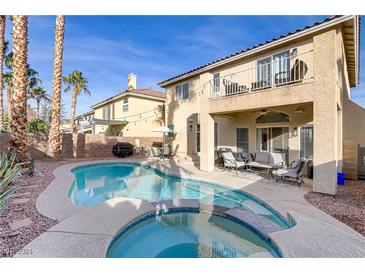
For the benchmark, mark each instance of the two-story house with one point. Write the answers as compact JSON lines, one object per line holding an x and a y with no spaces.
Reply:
{"x":134,"y":112}
{"x":84,"y":122}
{"x":290,"y":94}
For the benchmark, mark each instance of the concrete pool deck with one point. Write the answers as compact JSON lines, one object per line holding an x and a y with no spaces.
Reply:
{"x":87,"y":232}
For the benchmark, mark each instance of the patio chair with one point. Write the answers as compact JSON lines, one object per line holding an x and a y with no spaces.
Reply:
{"x":165,"y":151}
{"x":173,"y":154}
{"x":230,"y":161}
{"x":219,"y":157}
{"x":294,"y":172}
{"x":155,"y":152}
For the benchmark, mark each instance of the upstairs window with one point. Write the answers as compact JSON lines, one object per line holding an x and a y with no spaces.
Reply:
{"x":216,"y":81}
{"x":106,"y":112}
{"x":178,"y":94}
{"x":182,"y":91}
{"x":125,"y":105}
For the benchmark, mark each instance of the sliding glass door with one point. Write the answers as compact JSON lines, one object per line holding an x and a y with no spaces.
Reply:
{"x":272,"y":139}
{"x":281,"y":63}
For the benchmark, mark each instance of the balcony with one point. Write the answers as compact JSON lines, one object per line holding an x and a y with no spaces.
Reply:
{"x":272,"y":72}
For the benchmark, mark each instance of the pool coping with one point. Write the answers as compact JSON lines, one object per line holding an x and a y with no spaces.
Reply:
{"x":315,"y":234}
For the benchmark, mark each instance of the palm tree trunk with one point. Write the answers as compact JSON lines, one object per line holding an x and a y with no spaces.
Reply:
{"x":54,"y":141}
{"x":18,"y":134}
{"x":38,"y":104}
{"x":73,"y":111}
{"x":2,"y":40}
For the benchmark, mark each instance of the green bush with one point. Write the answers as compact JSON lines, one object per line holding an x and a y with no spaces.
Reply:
{"x":8,"y":172}
{"x":37,"y":126}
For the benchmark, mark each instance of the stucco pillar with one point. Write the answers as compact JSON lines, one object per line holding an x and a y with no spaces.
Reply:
{"x":325,"y":113}
{"x":206,"y":142}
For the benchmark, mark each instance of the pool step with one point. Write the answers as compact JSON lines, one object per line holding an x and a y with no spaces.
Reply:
{"x":258,"y":222}
{"x":177,"y":204}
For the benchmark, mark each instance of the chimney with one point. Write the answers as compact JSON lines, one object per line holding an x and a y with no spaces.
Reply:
{"x":132,"y":81}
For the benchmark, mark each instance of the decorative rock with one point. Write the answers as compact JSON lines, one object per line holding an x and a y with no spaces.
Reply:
{"x":39,"y":174}
{"x":18,"y":209}
{"x":20,"y":201}
{"x":16,"y":195}
{"x":8,"y":233}
{"x":14,"y":225}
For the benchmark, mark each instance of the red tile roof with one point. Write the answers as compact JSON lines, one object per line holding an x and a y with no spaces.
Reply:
{"x":253,"y":47}
{"x":148,"y":92}
{"x":140,"y":91}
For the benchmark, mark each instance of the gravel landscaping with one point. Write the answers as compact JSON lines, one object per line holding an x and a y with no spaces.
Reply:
{"x":20,"y":223}
{"x":348,"y":205}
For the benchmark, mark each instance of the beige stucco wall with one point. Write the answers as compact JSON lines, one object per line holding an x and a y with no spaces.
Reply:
{"x":180,"y":112}
{"x":324,"y":97}
{"x":141,"y":118}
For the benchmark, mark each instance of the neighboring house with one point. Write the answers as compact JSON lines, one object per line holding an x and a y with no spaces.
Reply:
{"x":65,"y":126}
{"x":290,"y":94}
{"x":84,"y":122}
{"x":134,"y":112}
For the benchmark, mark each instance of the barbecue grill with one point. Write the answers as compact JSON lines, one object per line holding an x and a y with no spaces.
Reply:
{"x":122,"y":149}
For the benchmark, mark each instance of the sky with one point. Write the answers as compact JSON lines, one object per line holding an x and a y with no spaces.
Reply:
{"x":107,"y":48}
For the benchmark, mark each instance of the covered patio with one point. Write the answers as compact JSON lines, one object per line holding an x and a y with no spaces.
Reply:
{"x":294,"y":130}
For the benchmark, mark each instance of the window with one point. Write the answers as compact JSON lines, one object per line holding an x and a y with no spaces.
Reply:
{"x":178,"y":94}
{"x":216,"y":82}
{"x":198,"y":138}
{"x":125,"y":105}
{"x":306,"y":142}
{"x":272,"y":139}
{"x":215,"y":136}
{"x":171,"y":134}
{"x":263,"y":72}
{"x":182,"y":91}
{"x":276,"y":66}
{"x":106,"y":112}
{"x":242,"y":140}
{"x":281,"y":67}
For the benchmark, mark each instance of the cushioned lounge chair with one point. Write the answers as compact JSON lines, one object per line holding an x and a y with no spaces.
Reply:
{"x":294,"y":172}
{"x":230,"y":161}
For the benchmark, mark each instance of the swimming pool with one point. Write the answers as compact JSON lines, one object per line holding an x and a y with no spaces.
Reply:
{"x":97,"y":183}
{"x":188,"y":235}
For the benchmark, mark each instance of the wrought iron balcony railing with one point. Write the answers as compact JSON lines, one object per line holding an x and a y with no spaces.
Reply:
{"x":271,"y":73}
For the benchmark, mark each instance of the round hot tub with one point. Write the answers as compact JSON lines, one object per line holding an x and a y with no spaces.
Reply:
{"x":189,"y":235}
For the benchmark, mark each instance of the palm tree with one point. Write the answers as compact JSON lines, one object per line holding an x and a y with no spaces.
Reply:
{"x":8,"y":82}
{"x":38,"y":93}
{"x":3,"y":47}
{"x":54,"y":143}
{"x":8,"y":60}
{"x":33,"y":79}
{"x":18,"y":135}
{"x":78,"y":83}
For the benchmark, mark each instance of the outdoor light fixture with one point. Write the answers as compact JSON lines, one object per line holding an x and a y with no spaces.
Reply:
{"x":191,"y":124}
{"x":295,"y":131}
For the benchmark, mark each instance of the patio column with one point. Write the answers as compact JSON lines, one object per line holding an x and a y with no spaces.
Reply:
{"x":206,"y":142}
{"x":325,"y":113}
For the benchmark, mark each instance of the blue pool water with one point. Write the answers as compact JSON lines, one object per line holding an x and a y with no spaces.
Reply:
{"x":97,"y":183}
{"x":188,"y":235}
